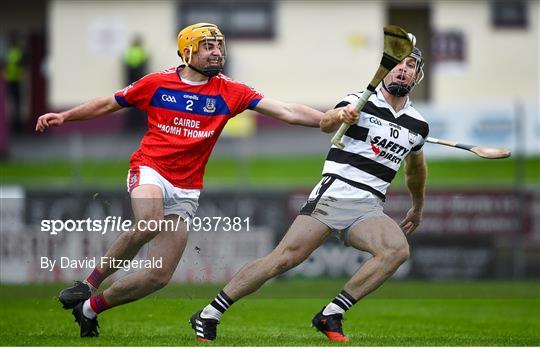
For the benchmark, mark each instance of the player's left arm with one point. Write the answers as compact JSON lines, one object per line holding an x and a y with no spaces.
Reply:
{"x":415,"y":179}
{"x":289,"y":112}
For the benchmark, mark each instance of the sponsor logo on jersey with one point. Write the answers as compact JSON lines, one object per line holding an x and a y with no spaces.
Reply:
{"x":210,"y":105}
{"x":168,"y":98}
{"x":389,"y":145}
{"x":388,"y":149}
{"x":190,"y":103}
{"x":375,"y":120}
{"x":376,"y":150}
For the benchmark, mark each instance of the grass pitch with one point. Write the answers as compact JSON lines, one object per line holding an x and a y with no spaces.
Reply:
{"x":277,"y":171}
{"x":411,"y":313}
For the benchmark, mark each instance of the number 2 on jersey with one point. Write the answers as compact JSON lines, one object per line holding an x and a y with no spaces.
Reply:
{"x":189,"y":105}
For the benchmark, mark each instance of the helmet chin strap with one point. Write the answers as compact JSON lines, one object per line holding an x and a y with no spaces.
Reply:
{"x":209,"y":71}
{"x":397,"y":89}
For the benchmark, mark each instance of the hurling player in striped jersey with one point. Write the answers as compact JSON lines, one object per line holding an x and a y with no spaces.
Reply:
{"x":187,"y":108}
{"x":348,"y":200}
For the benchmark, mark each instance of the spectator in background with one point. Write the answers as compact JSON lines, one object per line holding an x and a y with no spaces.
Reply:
{"x":135,"y":65}
{"x":13,"y":64}
{"x":135,"y":61}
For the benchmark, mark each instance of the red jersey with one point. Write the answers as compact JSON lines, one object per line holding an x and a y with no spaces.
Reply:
{"x":184,"y":121}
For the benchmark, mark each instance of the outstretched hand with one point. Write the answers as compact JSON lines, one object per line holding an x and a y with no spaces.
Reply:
{"x":50,"y":119}
{"x":411,"y":222}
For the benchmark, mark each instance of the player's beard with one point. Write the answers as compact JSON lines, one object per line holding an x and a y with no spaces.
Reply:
{"x":212,"y":67}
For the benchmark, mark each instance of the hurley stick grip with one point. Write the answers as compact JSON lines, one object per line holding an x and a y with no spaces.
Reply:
{"x":336,"y":139}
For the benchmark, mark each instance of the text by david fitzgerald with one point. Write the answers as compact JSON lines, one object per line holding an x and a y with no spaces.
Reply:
{"x":93,"y":262}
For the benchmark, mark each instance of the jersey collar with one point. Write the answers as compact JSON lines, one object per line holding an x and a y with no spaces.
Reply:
{"x":380,"y":96}
{"x":189,"y":82}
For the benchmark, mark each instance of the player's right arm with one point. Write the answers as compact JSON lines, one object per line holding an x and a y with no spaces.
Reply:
{"x":332,"y":119}
{"x":87,"y":111}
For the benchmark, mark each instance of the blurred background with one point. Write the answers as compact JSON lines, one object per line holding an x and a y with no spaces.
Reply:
{"x":482,"y":217}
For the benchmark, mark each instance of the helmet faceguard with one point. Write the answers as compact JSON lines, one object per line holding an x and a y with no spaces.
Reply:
{"x":402,"y":89}
{"x":192,"y":37}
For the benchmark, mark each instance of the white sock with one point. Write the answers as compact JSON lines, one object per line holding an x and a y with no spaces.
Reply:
{"x":88,"y":311}
{"x":332,"y":308}
{"x":92,"y":289}
{"x":209,"y":312}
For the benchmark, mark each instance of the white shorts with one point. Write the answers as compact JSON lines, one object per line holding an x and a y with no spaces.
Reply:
{"x":340,"y":206}
{"x":178,"y":201}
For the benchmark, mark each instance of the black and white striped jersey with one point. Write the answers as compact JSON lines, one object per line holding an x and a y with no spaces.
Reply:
{"x":377,"y":144}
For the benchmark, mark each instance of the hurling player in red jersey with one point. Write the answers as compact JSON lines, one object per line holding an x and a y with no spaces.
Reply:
{"x":187,"y":108}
